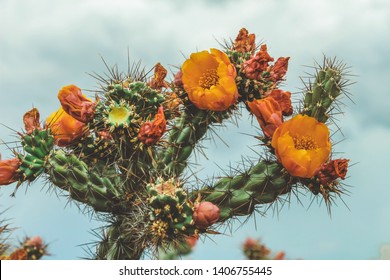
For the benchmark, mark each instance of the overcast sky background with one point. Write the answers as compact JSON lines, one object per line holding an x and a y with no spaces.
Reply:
{"x":45,"y":45}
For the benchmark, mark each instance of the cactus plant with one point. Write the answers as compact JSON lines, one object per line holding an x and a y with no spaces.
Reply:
{"x":125,"y":153}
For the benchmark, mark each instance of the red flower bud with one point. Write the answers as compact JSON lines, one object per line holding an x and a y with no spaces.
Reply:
{"x":205,"y":214}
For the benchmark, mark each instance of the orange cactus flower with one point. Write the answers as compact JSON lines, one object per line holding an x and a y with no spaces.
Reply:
{"x":157,"y":82}
{"x":65,"y":129}
{"x":150,"y":132}
{"x":302,"y":145}
{"x":245,"y":42}
{"x":333,"y":170}
{"x":279,"y":69}
{"x":76,"y":104}
{"x":209,"y":80}
{"x":256,"y":65}
{"x":205,"y":214}
{"x":284,"y":100}
{"x":9,"y":170}
{"x":268,"y":114}
{"x":31,"y":120}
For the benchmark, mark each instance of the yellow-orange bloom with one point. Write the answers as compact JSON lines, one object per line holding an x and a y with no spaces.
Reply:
{"x":76,"y":104}
{"x":209,"y":80}
{"x":268,"y":114}
{"x":65,"y":128}
{"x":302,"y":145}
{"x":8,"y":171}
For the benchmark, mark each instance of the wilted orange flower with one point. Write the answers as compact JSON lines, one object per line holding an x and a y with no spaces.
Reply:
{"x":31,"y":120}
{"x":209,"y":80}
{"x":302,"y":145}
{"x":245,"y":42}
{"x":256,"y":65}
{"x":9,"y":170}
{"x":205,"y":214}
{"x":279,"y":69}
{"x":333,"y":170}
{"x":65,"y":128}
{"x":150,"y":132}
{"x":157,"y":82}
{"x":284,"y":100}
{"x":268,"y":114}
{"x":76,"y":104}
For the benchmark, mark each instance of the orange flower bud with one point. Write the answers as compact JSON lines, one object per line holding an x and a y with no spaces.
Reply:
{"x":9,"y":171}
{"x":150,"y":132}
{"x":333,"y":170}
{"x":31,"y":120}
{"x":256,"y":65}
{"x":65,"y":129}
{"x":302,"y":145}
{"x":284,"y":100}
{"x":244,"y":42}
{"x":76,"y":104}
{"x":268,"y":114}
{"x":157,"y":82}
{"x":205,"y":214}
{"x":279,"y":69}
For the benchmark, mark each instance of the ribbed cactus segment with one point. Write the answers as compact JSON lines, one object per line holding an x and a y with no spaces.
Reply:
{"x":172,"y":211}
{"x":183,"y":136}
{"x":37,"y":147}
{"x":326,"y":88}
{"x":101,"y":190}
{"x":238,"y":195}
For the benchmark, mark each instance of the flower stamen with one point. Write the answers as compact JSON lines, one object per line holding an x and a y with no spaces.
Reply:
{"x":304,"y":143}
{"x":208,"y":79}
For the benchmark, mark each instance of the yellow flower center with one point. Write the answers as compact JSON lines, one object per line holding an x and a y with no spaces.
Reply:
{"x":119,"y":115}
{"x":304,"y":143}
{"x":209,"y":79}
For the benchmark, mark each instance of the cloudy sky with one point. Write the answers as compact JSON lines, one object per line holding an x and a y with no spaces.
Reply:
{"x":45,"y":45}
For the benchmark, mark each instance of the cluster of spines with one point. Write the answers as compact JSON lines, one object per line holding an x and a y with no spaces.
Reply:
{"x":37,"y":147}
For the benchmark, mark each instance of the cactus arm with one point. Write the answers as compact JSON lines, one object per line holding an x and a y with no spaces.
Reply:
{"x":239,"y":195}
{"x":84,"y":184}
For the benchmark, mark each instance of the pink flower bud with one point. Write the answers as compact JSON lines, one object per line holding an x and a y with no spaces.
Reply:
{"x":206,"y":214}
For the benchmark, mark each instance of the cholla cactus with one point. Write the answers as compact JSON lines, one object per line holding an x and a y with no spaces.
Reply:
{"x":124,"y":152}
